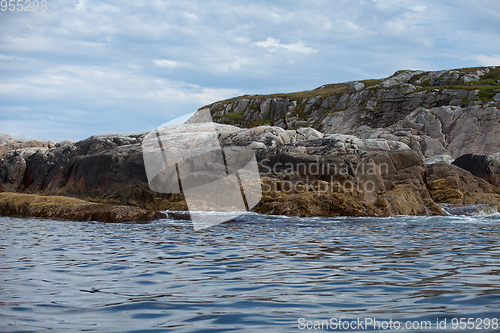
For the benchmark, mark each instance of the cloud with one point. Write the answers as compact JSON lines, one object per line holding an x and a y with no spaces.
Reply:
{"x":80,"y":5}
{"x":274,"y":44}
{"x":485,"y":60}
{"x":130,"y":65}
{"x":170,"y":63}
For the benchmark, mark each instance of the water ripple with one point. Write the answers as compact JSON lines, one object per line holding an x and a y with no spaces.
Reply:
{"x":257,"y":273}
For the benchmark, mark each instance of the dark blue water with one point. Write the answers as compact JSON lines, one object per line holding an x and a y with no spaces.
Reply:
{"x":257,"y":274}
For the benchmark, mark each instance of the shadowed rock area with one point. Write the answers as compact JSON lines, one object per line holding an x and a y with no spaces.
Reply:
{"x":486,"y":167}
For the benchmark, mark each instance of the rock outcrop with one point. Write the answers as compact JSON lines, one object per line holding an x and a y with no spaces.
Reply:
{"x":9,"y":143}
{"x":451,"y":112}
{"x":104,"y":168}
{"x":364,"y":148}
{"x":483,"y":166}
{"x":15,"y":204}
{"x":448,"y":183}
{"x":110,"y":168}
{"x":344,"y":175}
{"x":303,"y":173}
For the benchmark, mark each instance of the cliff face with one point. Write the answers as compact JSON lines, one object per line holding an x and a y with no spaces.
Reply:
{"x":303,"y":172}
{"x":104,"y":168}
{"x":451,"y":112}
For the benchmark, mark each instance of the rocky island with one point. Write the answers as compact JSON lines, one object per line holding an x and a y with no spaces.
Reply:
{"x":416,"y":143}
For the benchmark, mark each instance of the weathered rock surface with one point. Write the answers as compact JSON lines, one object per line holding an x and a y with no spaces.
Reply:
{"x":110,"y":168}
{"x":9,"y":143}
{"x":345,"y":175}
{"x":448,"y":183}
{"x":363,"y":148}
{"x":16,"y":204}
{"x":303,"y":171}
{"x":106,"y":168}
{"x":451,"y":112}
{"x":483,"y":166}
{"x":446,"y":130}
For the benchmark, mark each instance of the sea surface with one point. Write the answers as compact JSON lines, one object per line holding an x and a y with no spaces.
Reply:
{"x":255,"y":274}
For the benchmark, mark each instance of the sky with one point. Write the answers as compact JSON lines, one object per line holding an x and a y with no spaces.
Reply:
{"x":84,"y":67}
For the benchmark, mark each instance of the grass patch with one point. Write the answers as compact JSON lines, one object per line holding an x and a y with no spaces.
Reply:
{"x":469,"y":70}
{"x":425,"y":88}
{"x":372,"y":82}
{"x":486,"y":94}
{"x":267,"y":121}
{"x":299,"y":110}
{"x":230,"y":118}
{"x":324,"y":91}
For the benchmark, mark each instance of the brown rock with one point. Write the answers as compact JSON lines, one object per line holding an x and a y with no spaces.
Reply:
{"x":451,"y":184}
{"x":16,"y":204}
{"x":405,"y":200}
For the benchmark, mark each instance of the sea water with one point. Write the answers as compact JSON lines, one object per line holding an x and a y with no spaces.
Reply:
{"x":256,"y":273}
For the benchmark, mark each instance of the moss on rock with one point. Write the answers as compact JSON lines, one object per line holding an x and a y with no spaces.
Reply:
{"x":17,"y":204}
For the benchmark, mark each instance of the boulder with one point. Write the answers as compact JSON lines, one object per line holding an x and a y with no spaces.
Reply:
{"x":447,"y":183}
{"x":483,"y":166}
{"x":360,"y":177}
{"x":356,"y":86}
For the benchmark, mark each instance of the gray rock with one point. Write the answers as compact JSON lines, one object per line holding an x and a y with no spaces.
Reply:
{"x":483,"y":166}
{"x":446,"y":130}
{"x":400,"y":78}
{"x":10,"y":143}
{"x":438,"y":158}
{"x":470,"y":77}
{"x":301,"y":123}
{"x":241,"y":105}
{"x":356,"y":86}
{"x":471,"y":210}
{"x":348,"y":143}
{"x":271,"y":136}
{"x":280,"y":123}
{"x":497,"y":97}
{"x":309,"y":133}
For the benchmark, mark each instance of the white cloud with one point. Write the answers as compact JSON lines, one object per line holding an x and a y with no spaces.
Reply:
{"x":485,"y":60}
{"x":209,"y":95}
{"x":419,"y":8}
{"x":170,"y":63}
{"x":274,"y":44}
{"x":168,"y":58}
{"x":80,"y":5}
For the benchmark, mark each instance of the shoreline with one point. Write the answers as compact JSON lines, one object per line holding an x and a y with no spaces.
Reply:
{"x":73,"y":209}
{"x":68,"y":208}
